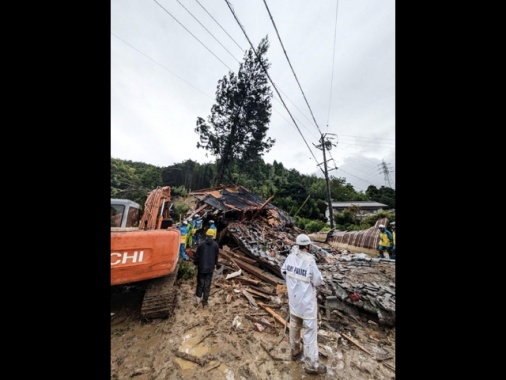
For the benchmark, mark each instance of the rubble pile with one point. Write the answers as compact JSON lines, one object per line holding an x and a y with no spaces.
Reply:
{"x":351,"y":293}
{"x":256,"y":237}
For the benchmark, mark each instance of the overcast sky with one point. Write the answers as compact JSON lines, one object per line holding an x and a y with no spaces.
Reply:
{"x":167,"y":57}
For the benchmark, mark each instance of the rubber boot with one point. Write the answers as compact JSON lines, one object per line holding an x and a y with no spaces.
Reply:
{"x":197,"y":300}
{"x":320,"y":368}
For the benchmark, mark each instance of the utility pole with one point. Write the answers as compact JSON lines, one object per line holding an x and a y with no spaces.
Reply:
{"x":324,"y":145}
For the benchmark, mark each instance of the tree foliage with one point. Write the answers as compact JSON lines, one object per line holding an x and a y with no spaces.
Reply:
{"x":236,"y":131}
{"x":133,"y":180}
{"x":384,"y":195}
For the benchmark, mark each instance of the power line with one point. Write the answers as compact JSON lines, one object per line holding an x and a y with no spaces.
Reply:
{"x":163,"y":67}
{"x":208,"y":31}
{"x":293,"y":71}
{"x":243,"y":50}
{"x":333,"y":64}
{"x":185,"y":81}
{"x":192,"y":34}
{"x":268,"y":76}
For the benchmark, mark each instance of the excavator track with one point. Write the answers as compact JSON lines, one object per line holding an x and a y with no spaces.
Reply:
{"x":160,"y":297}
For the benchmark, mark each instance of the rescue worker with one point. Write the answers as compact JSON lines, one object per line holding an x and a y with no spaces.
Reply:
{"x":182,"y":247}
{"x":213,"y":228}
{"x":197,"y":228}
{"x":189,"y":234}
{"x":385,"y":241}
{"x":392,"y":227}
{"x":302,"y":277}
{"x":206,"y":260}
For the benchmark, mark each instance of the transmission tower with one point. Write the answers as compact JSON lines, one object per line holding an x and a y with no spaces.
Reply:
{"x":386,"y":170}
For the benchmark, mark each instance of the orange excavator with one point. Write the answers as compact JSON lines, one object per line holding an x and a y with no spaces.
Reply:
{"x":144,"y":250}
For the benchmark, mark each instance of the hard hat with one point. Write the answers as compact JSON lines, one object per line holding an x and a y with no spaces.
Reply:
{"x":303,"y":239}
{"x":195,"y":216}
{"x":381,"y":226}
{"x":209,"y":232}
{"x":211,"y":222}
{"x":185,"y":222}
{"x":392,"y":224}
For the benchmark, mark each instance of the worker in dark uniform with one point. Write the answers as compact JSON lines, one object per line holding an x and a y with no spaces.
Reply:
{"x":206,"y":260}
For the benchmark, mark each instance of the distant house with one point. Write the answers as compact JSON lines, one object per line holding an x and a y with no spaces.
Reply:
{"x":362,"y":208}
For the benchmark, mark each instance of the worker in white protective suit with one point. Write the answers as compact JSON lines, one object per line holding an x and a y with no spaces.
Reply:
{"x":302,"y":277}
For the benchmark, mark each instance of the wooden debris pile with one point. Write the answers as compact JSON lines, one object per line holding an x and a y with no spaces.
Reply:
{"x":256,"y":237}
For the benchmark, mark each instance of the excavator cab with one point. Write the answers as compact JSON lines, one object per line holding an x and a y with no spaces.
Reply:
{"x":124,"y":213}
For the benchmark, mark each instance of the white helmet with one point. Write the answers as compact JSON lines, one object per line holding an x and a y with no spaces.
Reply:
{"x":303,"y":239}
{"x":381,"y":226}
{"x":211,"y":222}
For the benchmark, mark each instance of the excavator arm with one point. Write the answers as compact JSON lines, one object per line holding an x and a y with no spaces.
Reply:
{"x":154,"y":208}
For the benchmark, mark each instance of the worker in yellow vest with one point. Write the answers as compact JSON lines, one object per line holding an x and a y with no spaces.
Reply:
{"x":385,"y":241}
{"x":213,"y":229}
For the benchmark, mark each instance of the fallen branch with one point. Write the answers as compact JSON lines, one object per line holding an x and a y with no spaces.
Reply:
{"x":195,"y":324}
{"x":269,"y":353}
{"x":262,"y":314}
{"x":204,"y":337}
{"x":273,"y":306}
{"x":266,"y":350}
{"x":213,"y":367}
{"x":194,"y":359}
{"x":388,"y":366}
{"x":356,"y":343}
{"x":279,"y":341}
{"x":385,"y":358}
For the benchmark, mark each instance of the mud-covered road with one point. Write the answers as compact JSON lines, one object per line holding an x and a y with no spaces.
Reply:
{"x":226,"y":341}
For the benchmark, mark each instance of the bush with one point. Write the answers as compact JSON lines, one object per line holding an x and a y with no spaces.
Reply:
{"x":311,"y":226}
{"x":372,"y":219}
{"x":187,"y":271}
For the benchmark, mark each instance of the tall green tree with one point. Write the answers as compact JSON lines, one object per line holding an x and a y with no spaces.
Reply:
{"x":385,"y":195}
{"x":236,"y":130}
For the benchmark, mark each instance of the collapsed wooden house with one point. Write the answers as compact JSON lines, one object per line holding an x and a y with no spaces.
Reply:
{"x":255,"y":237}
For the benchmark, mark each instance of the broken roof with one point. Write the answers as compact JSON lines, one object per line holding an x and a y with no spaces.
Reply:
{"x":238,"y":199}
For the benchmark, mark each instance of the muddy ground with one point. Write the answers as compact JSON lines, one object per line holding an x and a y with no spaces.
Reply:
{"x":228,"y":341}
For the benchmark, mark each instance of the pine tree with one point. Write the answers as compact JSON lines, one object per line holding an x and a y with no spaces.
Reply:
{"x":235,"y":132}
